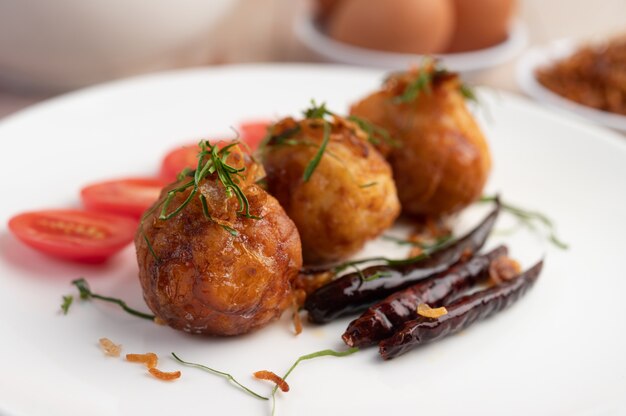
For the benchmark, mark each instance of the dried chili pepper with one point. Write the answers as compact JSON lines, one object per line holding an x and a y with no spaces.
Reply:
{"x":356,"y":291}
{"x":386,"y":317}
{"x":461,"y":314}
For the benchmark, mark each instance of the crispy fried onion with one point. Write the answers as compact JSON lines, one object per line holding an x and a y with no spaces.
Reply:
{"x":150,"y":359}
{"x":503,"y":269}
{"x":268,"y":375}
{"x":163,"y":375}
{"x":427,"y":312}
{"x":109,"y":348}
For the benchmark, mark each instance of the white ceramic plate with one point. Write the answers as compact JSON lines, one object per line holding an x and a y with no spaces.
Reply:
{"x":314,"y":37}
{"x":542,"y":56}
{"x":560,"y":350}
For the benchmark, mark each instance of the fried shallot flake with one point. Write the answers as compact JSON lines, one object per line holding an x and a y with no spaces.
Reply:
{"x":268,"y":375}
{"x":426,"y":233}
{"x":305,"y":284}
{"x":163,"y":375}
{"x":297,"y":321}
{"x":427,"y":312}
{"x":503,"y":269}
{"x":415,"y":251}
{"x":109,"y":348}
{"x":150,"y":359}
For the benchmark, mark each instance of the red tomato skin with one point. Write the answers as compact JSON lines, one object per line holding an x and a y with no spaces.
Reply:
{"x":186,"y":156}
{"x":81,"y":236}
{"x":127,"y":196}
{"x":253,"y":132}
{"x":178,"y":159}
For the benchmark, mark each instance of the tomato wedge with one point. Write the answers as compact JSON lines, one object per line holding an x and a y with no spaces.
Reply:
{"x":83,"y":236}
{"x":186,"y":156}
{"x":129,"y":196}
{"x":253,"y":132}
{"x":178,"y":159}
{"x":183,"y":157}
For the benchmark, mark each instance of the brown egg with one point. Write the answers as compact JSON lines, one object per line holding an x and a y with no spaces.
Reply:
{"x":481,"y":23}
{"x":409,"y":26}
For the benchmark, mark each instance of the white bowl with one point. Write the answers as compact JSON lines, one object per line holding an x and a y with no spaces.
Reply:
{"x":541,"y":56}
{"x":63,"y":44}
{"x":314,"y":37}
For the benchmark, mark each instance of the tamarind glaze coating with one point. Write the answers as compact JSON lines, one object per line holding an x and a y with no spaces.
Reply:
{"x":461,"y":314}
{"x":200,"y":278}
{"x":383,"y":319}
{"x":443,"y":160}
{"x":349,"y":199}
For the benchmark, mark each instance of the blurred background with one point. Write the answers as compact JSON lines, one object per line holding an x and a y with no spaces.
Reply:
{"x":47,"y":48}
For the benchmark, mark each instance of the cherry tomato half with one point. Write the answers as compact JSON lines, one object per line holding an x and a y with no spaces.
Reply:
{"x":83,"y":236}
{"x":177,"y":160}
{"x":253,"y":132}
{"x":129,"y":196}
{"x":183,"y":157}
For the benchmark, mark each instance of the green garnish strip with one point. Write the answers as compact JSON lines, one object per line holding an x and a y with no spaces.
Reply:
{"x":319,"y":112}
{"x":86,"y":294}
{"x":215,"y":164}
{"x":423,"y":84}
{"x":67,"y":302}
{"x":396,"y":262}
{"x":227,"y":376}
{"x":425,"y":246}
{"x":317,"y":354}
{"x":527,"y":217}
{"x":310,"y":168}
{"x":249,"y":391}
{"x":372,"y":130}
{"x":413,"y":90}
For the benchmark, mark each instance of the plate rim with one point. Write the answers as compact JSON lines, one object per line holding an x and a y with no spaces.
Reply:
{"x":603,"y":132}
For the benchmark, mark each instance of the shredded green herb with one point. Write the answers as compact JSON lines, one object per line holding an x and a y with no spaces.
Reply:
{"x":149,"y":244}
{"x":317,"y":111}
{"x":317,"y":354}
{"x":529,"y":218}
{"x":426,"y":246}
{"x":468,"y":92}
{"x":378,"y":275}
{"x":374,"y":133}
{"x":211,"y":161}
{"x":67,"y":302}
{"x":86,"y":294}
{"x":397,"y":262}
{"x":227,"y":376}
{"x":284,"y":137}
{"x":310,"y":168}
{"x":184,"y":173}
{"x":421,"y":84}
{"x":424,"y":81}
{"x":320,"y":112}
{"x":215,"y":164}
{"x":384,"y":260}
